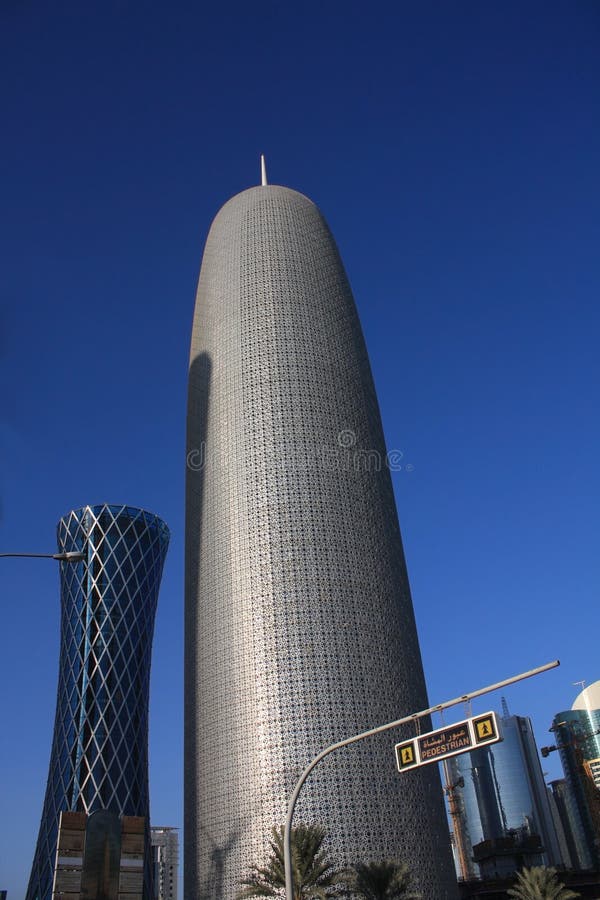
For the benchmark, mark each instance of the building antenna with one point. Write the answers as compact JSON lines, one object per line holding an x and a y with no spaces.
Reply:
{"x":263,"y":170}
{"x":586,"y":699}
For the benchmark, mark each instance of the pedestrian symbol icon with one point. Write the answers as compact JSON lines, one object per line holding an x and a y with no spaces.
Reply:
{"x":485,"y":729}
{"x":406,"y":755}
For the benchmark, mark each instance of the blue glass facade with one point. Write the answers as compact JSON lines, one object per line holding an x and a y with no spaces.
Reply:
{"x":504,"y":794}
{"x":577,"y":734}
{"x":99,"y":757}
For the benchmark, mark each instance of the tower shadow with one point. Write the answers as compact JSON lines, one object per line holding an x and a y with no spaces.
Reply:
{"x":213,"y":886}
{"x":200,"y":375}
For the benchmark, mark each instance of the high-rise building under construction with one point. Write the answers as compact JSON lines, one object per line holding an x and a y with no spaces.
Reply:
{"x":299,"y":621}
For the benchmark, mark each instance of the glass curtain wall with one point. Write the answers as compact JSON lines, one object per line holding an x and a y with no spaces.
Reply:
{"x":99,"y":757}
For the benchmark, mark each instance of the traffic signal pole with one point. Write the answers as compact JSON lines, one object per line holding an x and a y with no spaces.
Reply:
{"x":413,"y":717}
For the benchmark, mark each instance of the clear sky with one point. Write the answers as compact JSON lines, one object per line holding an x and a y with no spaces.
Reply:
{"x":453,"y":148}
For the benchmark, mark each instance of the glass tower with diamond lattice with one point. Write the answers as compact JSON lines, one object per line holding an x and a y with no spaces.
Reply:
{"x":99,"y":757}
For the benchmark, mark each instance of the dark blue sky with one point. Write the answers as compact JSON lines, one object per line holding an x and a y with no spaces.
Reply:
{"x":453,"y":148}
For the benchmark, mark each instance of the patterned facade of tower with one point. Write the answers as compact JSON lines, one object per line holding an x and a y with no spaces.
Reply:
{"x":299,"y":622}
{"x":99,"y":756}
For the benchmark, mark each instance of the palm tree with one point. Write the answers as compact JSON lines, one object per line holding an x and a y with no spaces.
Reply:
{"x":389,"y":879}
{"x":539,"y":883}
{"x":315,"y":877}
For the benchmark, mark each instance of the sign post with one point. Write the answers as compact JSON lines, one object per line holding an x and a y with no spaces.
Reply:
{"x":287,"y":832}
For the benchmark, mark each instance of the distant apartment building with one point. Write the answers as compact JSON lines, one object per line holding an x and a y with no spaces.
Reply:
{"x":165,"y":859}
{"x":561,"y":832}
{"x":578,"y":852}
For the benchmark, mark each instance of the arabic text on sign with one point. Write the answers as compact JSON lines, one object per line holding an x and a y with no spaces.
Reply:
{"x":442,"y":742}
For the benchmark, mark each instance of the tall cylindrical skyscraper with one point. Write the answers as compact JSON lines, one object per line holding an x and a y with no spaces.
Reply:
{"x":99,"y":757}
{"x":299,"y":622}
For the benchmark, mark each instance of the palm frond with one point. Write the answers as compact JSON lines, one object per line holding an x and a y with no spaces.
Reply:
{"x":315,"y":876}
{"x":386,"y":879}
{"x":540,"y":883}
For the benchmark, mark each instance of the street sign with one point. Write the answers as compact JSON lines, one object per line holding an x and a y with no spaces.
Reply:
{"x":448,"y":741}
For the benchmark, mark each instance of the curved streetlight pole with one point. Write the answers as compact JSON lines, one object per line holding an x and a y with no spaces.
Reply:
{"x":287,"y":850}
{"x":69,"y":556}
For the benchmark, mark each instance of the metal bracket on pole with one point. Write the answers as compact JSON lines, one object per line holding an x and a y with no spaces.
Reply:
{"x":414,"y":717}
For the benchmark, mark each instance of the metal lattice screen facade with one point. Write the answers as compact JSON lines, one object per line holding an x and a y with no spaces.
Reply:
{"x":99,"y":757}
{"x":299,"y":622}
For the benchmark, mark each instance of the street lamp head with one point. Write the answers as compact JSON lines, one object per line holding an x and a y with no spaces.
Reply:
{"x":70,"y":556}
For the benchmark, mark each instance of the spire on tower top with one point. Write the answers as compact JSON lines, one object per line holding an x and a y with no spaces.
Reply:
{"x":263,"y":170}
